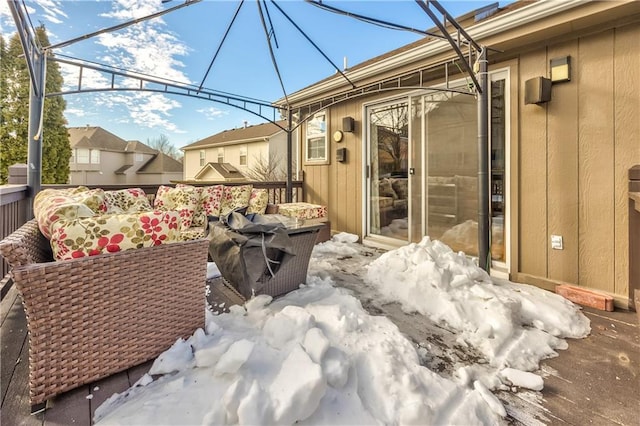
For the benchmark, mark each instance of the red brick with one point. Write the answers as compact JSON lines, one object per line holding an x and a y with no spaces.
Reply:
{"x":586,"y":297}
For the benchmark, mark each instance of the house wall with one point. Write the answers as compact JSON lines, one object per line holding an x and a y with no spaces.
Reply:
{"x":157,"y":178}
{"x":96,"y":174}
{"x":575,"y":152}
{"x":569,"y":160}
{"x":255,"y":150}
{"x":274,"y":146}
{"x":278,"y":149}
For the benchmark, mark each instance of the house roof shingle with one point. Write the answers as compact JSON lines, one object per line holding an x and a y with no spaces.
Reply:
{"x":257,"y":131}
{"x":95,"y":137}
{"x":161,"y":163}
{"x":137,"y":146}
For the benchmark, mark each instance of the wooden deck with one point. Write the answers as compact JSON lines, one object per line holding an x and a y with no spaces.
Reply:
{"x":595,"y":381}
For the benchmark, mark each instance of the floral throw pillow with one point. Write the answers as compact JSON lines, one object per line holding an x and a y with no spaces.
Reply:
{"x":130,"y":200}
{"x":235,"y":197}
{"x":258,"y":201}
{"x":51,"y":205}
{"x":210,"y":200}
{"x":71,"y":239}
{"x":183,"y":200}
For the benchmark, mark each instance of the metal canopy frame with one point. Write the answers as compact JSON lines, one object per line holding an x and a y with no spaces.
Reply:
{"x":474,"y":62}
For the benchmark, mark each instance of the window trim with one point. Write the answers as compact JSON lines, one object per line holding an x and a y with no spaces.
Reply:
{"x":220,"y":155}
{"x":243,"y":155}
{"x":321,"y":134}
{"x":81,"y":159}
{"x":94,"y":156}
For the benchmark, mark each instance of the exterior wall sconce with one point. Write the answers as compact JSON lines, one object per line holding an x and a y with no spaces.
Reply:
{"x":561,"y":69}
{"x":348,"y":124}
{"x":537,"y":90}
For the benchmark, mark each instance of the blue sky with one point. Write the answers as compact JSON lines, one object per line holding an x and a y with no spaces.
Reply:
{"x":181,"y":44}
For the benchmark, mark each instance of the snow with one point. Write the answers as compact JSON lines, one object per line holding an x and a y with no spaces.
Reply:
{"x":316,"y":356}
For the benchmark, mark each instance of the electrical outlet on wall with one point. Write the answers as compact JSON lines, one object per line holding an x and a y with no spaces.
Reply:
{"x":556,"y":242}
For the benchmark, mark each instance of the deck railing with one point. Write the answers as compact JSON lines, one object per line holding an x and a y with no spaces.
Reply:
{"x":13,"y":211}
{"x":14,"y":205}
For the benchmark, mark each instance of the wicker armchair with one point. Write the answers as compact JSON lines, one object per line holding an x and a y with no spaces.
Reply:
{"x":89,"y":318}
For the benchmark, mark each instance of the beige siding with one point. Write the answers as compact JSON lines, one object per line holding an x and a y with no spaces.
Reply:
{"x":578,"y":149}
{"x":533,"y":172}
{"x":595,"y":157}
{"x":627,"y":138}
{"x":562,"y":212}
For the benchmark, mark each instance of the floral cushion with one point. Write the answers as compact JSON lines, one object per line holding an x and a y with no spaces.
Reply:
{"x":258,"y":201}
{"x":210,"y":200}
{"x":183,"y":200}
{"x":111,"y":233}
{"x":51,"y":205}
{"x":193,"y":233}
{"x":302,"y":210}
{"x":130,"y":200}
{"x":235,"y":197}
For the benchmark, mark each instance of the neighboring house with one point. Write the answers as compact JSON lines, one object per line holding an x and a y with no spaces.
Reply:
{"x":247,"y":148}
{"x":100,"y":157}
{"x":559,"y":168}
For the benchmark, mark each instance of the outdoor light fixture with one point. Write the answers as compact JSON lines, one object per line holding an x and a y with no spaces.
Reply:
{"x":537,"y":90}
{"x":561,"y":69}
{"x":348,"y":124}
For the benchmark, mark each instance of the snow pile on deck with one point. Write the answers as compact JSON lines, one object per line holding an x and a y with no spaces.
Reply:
{"x":316,"y":357}
{"x":513,"y":325}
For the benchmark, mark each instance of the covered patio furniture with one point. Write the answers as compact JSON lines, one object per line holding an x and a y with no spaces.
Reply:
{"x":268,"y":255}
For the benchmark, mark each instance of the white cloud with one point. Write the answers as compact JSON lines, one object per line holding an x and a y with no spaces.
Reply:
{"x":52,"y":10}
{"x":75,"y":111}
{"x":147,"y":47}
{"x":153,"y":110}
{"x":133,"y":9}
{"x":211,"y":113}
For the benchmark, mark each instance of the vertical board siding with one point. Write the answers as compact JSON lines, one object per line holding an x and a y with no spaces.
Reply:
{"x":595,"y":156}
{"x":562,"y":169}
{"x":627,"y":138}
{"x":533,"y":175}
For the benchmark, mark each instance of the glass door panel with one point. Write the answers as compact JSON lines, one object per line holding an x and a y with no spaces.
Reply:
{"x":498,"y":177}
{"x":452,"y":172}
{"x":388,"y":147}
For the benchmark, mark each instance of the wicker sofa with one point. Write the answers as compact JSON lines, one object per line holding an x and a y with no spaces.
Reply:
{"x":94,"y":316}
{"x":98,"y":304}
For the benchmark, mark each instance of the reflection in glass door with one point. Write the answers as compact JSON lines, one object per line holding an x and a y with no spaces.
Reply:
{"x":451,"y":129}
{"x":388,"y":147}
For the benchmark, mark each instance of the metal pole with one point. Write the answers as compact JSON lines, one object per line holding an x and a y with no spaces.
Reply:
{"x":484,"y":226}
{"x":289,"y":189}
{"x":34,"y":145}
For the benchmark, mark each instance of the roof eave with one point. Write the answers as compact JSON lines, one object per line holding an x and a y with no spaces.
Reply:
{"x":483,"y":29}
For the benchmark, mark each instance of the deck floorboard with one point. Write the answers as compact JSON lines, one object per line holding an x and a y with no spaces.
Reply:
{"x":594,"y":381}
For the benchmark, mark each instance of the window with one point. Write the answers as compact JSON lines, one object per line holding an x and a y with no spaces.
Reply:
{"x":202,"y":158}
{"x":82,"y":156}
{"x":95,"y":156}
{"x":243,"y":155}
{"x":220,"y":155}
{"x":316,"y":150}
{"x":137,"y":157}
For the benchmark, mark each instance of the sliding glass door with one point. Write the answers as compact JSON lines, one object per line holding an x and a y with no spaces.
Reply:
{"x":423,"y":168}
{"x":388,"y":165}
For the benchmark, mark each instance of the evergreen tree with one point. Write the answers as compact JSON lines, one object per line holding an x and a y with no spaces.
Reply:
{"x":15,"y":109}
{"x":56,"y":150}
